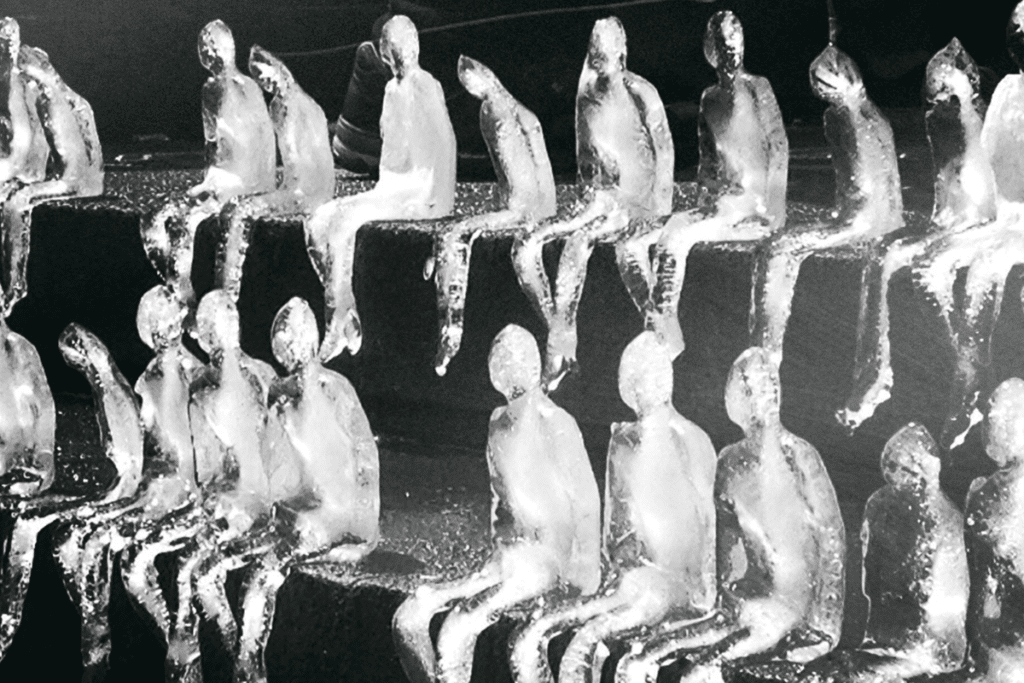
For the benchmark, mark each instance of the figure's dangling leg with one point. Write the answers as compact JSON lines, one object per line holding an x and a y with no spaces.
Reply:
{"x":452,"y":250}
{"x":259,"y":602}
{"x":17,"y":225}
{"x":776,"y":270}
{"x":156,"y":231}
{"x":68,"y":550}
{"x":17,"y":572}
{"x":183,"y":664}
{"x":633,"y":257}
{"x":672,"y":252}
{"x":210,"y":591}
{"x":97,"y":571}
{"x":674,"y":641}
{"x":142,"y":581}
{"x":560,"y":358}
{"x":528,"y":262}
{"x":238,"y":217}
{"x":183,"y":237}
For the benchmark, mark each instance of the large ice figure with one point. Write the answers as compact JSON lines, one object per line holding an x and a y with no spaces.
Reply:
{"x":76,"y":161}
{"x":744,"y":163}
{"x":545,"y":522}
{"x":23,"y":146}
{"x":526,"y":189}
{"x":964,"y":198}
{"x":869,"y":203}
{"x":625,"y":161}
{"x":914,"y":573}
{"x":241,"y":160}
{"x":417,"y":180}
{"x":780,"y":544}
{"x":995,"y":533}
{"x":307,"y":167}
{"x":659,"y":528}
{"x":121,"y":433}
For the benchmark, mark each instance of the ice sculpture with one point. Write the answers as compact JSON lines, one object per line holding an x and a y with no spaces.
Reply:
{"x":659,"y":528}
{"x":869,"y":203}
{"x":964,"y":199}
{"x":307,"y":167}
{"x":526,"y":188}
{"x":545,"y":524}
{"x":241,"y":160}
{"x":780,"y":545}
{"x":914,"y":573}
{"x":744,"y":163}
{"x":76,"y":160}
{"x":625,"y":160}
{"x":995,"y":533}
{"x":121,"y":434}
{"x":23,"y":147}
{"x":417,"y":181}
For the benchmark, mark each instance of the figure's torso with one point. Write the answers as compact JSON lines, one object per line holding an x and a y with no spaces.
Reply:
{"x":244,"y":136}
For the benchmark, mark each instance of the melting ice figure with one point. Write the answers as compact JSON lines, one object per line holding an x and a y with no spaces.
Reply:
{"x":23,"y":146}
{"x":659,"y":529}
{"x":526,"y":187}
{"x":417,"y":181}
{"x":625,"y":161}
{"x":744,"y":162}
{"x":241,"y":160}
{"x":780,"y":545}
{"x":545,"y":524}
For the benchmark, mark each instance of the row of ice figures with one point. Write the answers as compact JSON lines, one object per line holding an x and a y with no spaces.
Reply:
{"x":224,"y":465}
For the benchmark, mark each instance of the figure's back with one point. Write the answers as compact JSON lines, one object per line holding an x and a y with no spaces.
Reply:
{"x":23,"y":144}
{"x":244,"y":134}
{"x":303,"y":140}
{"x":164,"y":392}
{"x":1003,"y":137}
{"x":515,"y":142}
{"x":27,"y":414}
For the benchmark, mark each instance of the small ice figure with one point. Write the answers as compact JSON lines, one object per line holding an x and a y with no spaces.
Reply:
{"x":625,"y":161}
{"x":914,"y":573}
{"x":76,"y":160}
{"x":744,"y":163}
{"x":241,"y":160}
{"x":994,"y":533}
{"x":23,"y":146}
{"x":117,"y":416}
{"x":659,"y":529}
{"x":780,"y":544}
{"x":417,"y":181}
{"x":869,"y":203}
{"x":526,"y":188}
{"x":964,"y":199}
{"x":545,"y":522}
{"x":307,"y":167}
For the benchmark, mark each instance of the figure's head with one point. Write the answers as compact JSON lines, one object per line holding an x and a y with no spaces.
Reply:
{"x":216,"y":47}
{"x":910,"y":458}
{"x":10,"y":38}
{"x":645,"y":374}
{"x":951,"y":73}
{"x":607,"y":51}
{"x":723,"y":43}
{"x":752,"y":390}
{"x":400,"y":44}
{"x":294,"y":335}
{"x":78,"y":346}
{"x":159,"y":317}
{"x":477,"y":79}
{"x":1005,"y":433}
{"x":835,"y":77}
{"x":269,"y":71}
{"x":514,"y":362}
{"x":1015,"y":35}
{"x":217,"y":322}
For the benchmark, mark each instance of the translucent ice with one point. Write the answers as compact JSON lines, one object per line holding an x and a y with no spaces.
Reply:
{"x":76,"y":161}
{"x":744,"y":163}
{"x":625,"y":161}
{"x":417,"y":181}
{"x":545,"y":525}
{"x":23,"y":146}
{"x":780,"y":544}
{"x":659,"y":528}
{"x":526,"y":188}
{"x":241,"y":160}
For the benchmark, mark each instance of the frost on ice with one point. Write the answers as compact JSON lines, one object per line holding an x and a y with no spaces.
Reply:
{"x":659,"y":529}
{"x":780,"y":545}
{"x":526,"y":188}
{"x":241,"y":160}
{"x":744,"y":163}
{"x":545,"y":522}
{"x":625,"y":161}
{"x":417,"y":181}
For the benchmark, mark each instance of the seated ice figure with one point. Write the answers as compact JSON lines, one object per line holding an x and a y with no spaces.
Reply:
{"x":625,"y":161}
{"x":76,"y":160}
{"x":241,"y":160}
{"x":526,"y":190}
{"x":914,"y":573}
{"x":994,"y":533}
{"x":23,"y":146}
{"x":659,"y":528}
{"x":744,"y":162}
{"x":307,"y":167}
{"x":780,"y":545}
{"x":545,"y":525}
{"x":869,"y":203}
{"x":417,"y":181}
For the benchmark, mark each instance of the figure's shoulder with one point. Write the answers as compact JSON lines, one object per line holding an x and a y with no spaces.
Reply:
{"x":624,"y":435}
{"x":691,"y":432}
{"x":735,"y":461}
{"x":641,"y":88}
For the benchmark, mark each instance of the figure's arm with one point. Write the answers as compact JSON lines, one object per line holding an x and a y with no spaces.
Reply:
{"x":367,"y":458}
{"x":777,"y":144}
{"x":656,"y":123}
{"x":212,"y":97}
{"x":620,"y":542}
{"x":585,"y":498}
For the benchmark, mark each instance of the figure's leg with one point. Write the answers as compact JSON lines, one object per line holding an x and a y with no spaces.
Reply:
{"x":633,"y":257}
{"x":410,"y":627}
{"x":183,"y":663}
{"x":776,"y":270}
{"x":528,"y":261}
{"x":17,"y":571}
{"x":672,"y":642}
{"x":210,"y":578}
{"x":237,"y":217}
{"x":182,"y":241}
{"x":259,"y":600}
{"x":141,"y":580}
{"x":156,"y":232}
{"x":96,"y":574}
{"x":16,"y":225}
